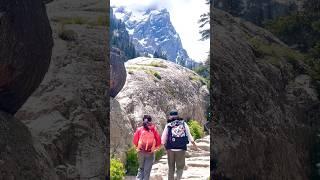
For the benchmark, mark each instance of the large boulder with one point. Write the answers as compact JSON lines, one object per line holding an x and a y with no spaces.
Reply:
{"x":156,"y":86}
{"x":121,"y":133}
{"x":68,"y":112}
{"x":25,"y":50}
{"x":266,"y":104}
{"x":21,"y":157}
{"x":118,"y":73}
{"x":25,"y":53}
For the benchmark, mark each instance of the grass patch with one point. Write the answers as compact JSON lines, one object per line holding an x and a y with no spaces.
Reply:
{"x":71,"y":20}
{"x":132,"y":163}
{"x":153,"y":73}
{"x":100,"y":21}
{"x":200,"y":79}
{"x":275,"y":53}
{"x":157,"y":64}
{"x":159,"y":154}
{"x":117,"y":170}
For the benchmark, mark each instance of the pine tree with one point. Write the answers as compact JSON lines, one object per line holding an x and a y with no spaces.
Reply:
{"x":156,"y":55}
{"x":204,"y":20}
{"x":119,"y":37}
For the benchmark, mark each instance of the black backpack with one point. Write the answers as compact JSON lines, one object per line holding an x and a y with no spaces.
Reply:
{"x":177,"y":135}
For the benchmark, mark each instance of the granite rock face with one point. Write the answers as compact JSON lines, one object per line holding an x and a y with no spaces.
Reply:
{"x":68,"y":112}
{"x":260,"y":11}
{"x":25,"y":50}
{"x":25,"y":53}
{"x":265,"y":101}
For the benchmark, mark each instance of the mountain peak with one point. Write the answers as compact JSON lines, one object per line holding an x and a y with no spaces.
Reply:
{"x":151,"y":31}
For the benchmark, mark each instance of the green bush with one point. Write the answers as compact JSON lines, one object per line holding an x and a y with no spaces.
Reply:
{"x":159,"y":154}
{"x":132,"y":163}
{"x":196,"y":129}
{"x":117,"y":170}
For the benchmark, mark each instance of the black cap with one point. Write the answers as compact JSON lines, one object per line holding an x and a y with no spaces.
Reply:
{"x":173,"y":113}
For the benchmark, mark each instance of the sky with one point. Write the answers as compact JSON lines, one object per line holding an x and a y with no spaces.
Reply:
{"x":184,"y":15}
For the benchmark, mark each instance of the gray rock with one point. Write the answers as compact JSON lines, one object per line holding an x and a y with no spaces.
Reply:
{"x":117,"y":71}
{"x":259,"y":11}
{"x":25,"y":51}
{"x":21,"y":156}
{"x":121,"y":133}
{"x":266,"y":105}
{"x":68,"y":112}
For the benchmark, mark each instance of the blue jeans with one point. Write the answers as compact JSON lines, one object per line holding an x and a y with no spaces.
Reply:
{"x":146,"y":161}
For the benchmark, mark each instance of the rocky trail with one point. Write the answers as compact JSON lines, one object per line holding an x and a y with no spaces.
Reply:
{"x":197,"y":163}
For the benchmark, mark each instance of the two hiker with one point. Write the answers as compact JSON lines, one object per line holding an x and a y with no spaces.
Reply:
{"x":175,"y":137}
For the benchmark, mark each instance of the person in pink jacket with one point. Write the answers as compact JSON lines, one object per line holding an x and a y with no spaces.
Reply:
{"x":146,"y":140}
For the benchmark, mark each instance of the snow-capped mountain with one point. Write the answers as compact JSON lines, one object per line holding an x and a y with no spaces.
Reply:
{"x":152,"y":31}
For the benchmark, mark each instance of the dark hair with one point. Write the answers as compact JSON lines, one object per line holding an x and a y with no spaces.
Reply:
{"x":173,"y":119}
{"x":145,"y":122}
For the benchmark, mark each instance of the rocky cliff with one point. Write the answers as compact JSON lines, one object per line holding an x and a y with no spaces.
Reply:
{"x":259,"y":11}
{"x":265,"y":101}
{"x":68,"y":112}
{"x":155,"y":86}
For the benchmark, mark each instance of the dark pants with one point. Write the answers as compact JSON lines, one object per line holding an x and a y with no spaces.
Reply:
{"x":145,"y":165}
{"x":176,"y":159}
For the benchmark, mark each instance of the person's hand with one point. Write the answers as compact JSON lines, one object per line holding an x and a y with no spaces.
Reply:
{"x":195,"y":146}
{"x":157,"y":148}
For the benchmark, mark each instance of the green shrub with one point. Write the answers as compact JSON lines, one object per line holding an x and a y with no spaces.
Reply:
{"x":200,"y":79}
{"x":196,"y":129}
{"x":117,"y":170}
{"x":157,"y":75}
{"x":132,"y":163}
{"x":159,"y":154}
{"x":130,"y":72}
{"x":68,"y":35}
{"x":154,"y":73}
{"x":203,"y":71}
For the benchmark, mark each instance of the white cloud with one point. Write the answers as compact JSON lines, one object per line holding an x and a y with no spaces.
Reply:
{"x":184,"y":15}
